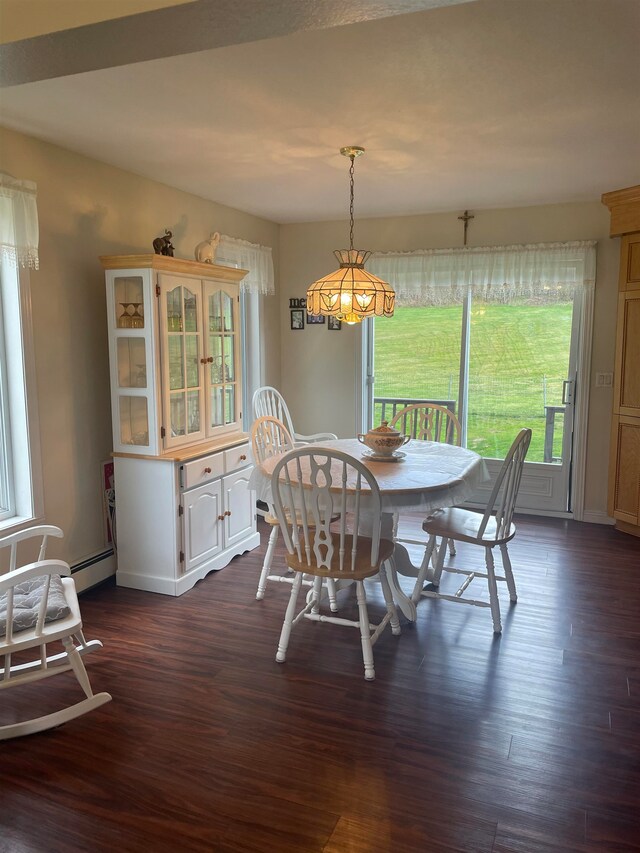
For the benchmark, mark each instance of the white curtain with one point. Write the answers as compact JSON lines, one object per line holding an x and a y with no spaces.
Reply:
{"x":18,"y":222}
{"x":546,"y":271}
{"x":248,"y":256}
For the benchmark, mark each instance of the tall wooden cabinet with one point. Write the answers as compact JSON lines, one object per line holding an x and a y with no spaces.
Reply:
{"x":181,"y":460}
{"x":624,"y":469}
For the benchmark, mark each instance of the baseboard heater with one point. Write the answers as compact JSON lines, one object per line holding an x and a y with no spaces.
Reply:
{"x":94,"y":570}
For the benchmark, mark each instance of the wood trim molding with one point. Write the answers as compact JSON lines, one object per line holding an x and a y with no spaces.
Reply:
{"x":164,"y":263}
{"x":192,"y":451}
{"x":624,"y":206}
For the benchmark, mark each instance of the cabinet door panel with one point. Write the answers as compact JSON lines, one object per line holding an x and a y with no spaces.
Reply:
{"x":630,"y":263}
{"x":626,"y":486}
{"x":629,"y":352}
{"x":239,"y":502}
{"x":223,"y":393}
{"x":181,"y":348}
{"x":202,"y":527}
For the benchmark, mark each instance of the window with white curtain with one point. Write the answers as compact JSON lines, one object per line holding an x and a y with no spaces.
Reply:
{"x":20,"y":469}
{"x":258,"y":283}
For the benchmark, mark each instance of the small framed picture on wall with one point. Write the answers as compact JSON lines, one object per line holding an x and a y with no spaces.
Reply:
{"x":315,"y":319}
{"x":333,"y":324}
{"x":297,"y":319}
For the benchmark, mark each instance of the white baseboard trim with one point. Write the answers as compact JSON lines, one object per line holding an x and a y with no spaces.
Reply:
{"x":597,"y":517}
{"x":93,"y":570}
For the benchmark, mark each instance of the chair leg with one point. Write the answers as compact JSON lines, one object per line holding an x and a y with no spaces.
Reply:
{"x":493,"y":591}
{"x":331,"y":589}
{"x":388,"y":597}
{"x":316,"y":593}
{"x":394,"y":527}
{"x":365,"y":632}
{"x":283,"y":643}
{"x":268,"y":558}
{"x":424,"y":568}
{"x":77,"y":665}
{"x":452,"y":547}
{"x":437,"y":572}
{"x":508,"y":572}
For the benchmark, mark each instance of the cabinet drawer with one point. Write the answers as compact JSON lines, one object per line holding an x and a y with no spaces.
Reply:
{"x":201,"y":470}
{"x":237,"y":457}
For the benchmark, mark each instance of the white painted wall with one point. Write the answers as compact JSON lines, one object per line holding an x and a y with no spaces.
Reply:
{"x":319,"y":367}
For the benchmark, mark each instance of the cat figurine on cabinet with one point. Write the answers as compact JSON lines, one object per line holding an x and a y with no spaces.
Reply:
{"x":205,"y":252}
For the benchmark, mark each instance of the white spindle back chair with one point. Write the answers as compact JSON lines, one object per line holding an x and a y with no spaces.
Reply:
{"x":491,"y":528}
{"x":427,"y":422}
{"x":268,"y":401}
{"x":312,"y":487}
{"x":269,"y":437}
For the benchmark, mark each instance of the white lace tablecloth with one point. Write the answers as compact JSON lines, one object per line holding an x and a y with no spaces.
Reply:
{"x":431,"y":475}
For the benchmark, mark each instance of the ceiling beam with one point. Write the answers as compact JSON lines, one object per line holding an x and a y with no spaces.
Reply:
{"x":186,"y":28}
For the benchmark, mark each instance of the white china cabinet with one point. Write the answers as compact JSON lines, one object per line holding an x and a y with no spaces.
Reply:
{"x":181,"y":460}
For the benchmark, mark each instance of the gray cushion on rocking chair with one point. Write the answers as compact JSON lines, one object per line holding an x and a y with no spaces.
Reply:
{"x":27,"y":597}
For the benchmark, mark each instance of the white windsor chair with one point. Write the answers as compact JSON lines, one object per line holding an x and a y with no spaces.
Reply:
{"x":269,"y":437}
{"x":491,"y":528}
{"x":313,"y":486}
{"x":427,"y":422}
{"x":269,"y":402}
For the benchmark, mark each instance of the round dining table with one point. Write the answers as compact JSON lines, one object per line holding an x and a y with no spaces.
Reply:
{"x":423,"y":476}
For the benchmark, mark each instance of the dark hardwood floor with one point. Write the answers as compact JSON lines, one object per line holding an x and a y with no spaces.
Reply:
{"x":529,"y":742}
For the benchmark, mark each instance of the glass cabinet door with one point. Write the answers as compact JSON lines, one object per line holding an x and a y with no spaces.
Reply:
{"x":129,"y":302}
{"x":130,"y":350}
{"x":181,"y":342}
{"x":222,"y":348}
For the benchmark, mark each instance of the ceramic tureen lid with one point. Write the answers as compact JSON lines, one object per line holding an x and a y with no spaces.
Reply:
{"x":384,"y":429}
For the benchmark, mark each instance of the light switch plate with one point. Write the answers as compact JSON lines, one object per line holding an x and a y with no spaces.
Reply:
{"x":604,"y":380}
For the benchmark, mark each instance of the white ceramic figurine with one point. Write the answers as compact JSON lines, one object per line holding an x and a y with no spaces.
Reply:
{"x":205,"y":252}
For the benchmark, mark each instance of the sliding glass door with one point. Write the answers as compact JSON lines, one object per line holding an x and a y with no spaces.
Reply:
{"x":500,"y":366}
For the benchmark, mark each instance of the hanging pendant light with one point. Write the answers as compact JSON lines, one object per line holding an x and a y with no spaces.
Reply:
{"x":351,"y":293}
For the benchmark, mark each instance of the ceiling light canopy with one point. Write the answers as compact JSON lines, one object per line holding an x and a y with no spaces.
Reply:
{"x":351,"y":293}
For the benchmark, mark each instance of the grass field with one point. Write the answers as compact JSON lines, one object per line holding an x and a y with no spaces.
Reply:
{"x":519,"y":357}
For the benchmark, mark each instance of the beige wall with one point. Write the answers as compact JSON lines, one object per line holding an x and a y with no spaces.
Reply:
{"x":319,"y":367}
{"x":87,"y":209}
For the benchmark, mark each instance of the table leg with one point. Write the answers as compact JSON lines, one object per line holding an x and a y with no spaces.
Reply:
{"x":402,"y":600}
{"x":399,"y":563}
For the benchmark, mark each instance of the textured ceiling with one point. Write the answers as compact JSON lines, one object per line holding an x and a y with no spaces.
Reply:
{"x":492,"y":103}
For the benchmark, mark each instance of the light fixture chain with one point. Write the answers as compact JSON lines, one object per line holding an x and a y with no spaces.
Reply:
{"x":351,"y":170}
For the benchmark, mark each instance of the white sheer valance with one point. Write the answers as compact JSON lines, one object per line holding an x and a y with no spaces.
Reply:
{"x":18,"y":222}
{"x":541,"y":271}
{"x":248,"y":256}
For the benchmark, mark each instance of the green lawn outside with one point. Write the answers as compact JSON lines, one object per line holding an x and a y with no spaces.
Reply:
{"x":518,"y":360}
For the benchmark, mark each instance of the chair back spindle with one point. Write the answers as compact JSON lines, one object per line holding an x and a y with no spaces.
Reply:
{"x":428,"y":422}
{"x":269,"y":436}
{"x":269,"y":402}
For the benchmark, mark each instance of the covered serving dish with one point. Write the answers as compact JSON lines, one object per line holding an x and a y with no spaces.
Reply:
{"x":383,"y":440}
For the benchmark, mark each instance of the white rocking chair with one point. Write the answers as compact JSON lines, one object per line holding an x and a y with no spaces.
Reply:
{"x":39,"y":606}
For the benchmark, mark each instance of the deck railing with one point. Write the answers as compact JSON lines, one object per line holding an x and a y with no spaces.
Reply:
{"x":390,"y":406}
